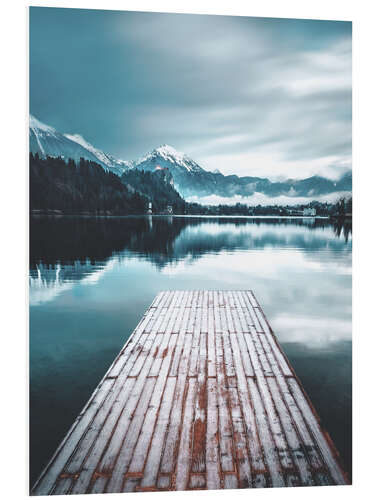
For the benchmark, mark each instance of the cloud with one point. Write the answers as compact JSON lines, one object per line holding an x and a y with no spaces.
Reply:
{"x":276,"y":167}
{"x":275,"y":90}
{"x":262,"y":199}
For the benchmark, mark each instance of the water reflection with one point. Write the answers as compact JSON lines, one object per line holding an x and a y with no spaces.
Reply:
{"x":92,"y":278}
{"x":298,"y":263}
{"x":70,"y":249}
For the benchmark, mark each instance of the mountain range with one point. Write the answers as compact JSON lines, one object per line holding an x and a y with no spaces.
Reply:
{"x":189,"y":178}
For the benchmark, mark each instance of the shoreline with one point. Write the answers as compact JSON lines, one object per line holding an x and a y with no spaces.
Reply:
{"x":59,"y":214}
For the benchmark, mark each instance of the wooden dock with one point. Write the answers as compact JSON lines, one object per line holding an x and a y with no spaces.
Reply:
{"x":200,"y":397}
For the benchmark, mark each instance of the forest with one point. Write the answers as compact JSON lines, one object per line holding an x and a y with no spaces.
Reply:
{"x":66,"y":187}
{"x":85,"y":187}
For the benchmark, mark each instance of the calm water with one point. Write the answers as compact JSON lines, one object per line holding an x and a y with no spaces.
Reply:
{"x":92,"y":279}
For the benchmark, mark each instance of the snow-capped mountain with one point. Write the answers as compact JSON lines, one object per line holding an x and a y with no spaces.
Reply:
{"x":166,"y":155}
{"x":189,"y":179}
{"x":114,"y":164}
{"x":187,"y":174}
{"x":46,"y":141}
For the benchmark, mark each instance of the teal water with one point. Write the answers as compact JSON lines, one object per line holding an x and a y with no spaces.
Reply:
{"x":91,"y":280}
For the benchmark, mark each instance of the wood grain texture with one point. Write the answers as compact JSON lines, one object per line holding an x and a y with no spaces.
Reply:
{"x":200,"y":397}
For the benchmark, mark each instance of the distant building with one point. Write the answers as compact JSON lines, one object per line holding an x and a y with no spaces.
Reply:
{"x":149,"y":210}
{"x":309,"y":211}
{"x":169,"y":210}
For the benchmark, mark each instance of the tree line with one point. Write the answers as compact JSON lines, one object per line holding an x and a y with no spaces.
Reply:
{"x":70,"y":187}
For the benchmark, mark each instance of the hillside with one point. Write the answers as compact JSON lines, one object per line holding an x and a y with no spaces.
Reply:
{"x":190,"y":179}
{"x":70,"y":187}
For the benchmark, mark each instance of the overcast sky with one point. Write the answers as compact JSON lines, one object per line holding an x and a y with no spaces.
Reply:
{"x":251,"y":96}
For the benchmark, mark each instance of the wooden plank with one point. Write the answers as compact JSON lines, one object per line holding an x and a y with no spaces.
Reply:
{"x":142,"y":447}
{"x":80,"y":426}
{"x":211,"y":358}
{"x":156,"y":448}
{"x":184,"y":455}
{"x":316,"y":431}
{"x":320,"y":475}
{"x":108,"y":460}
{"x":109,"y":414}
{"x":240,"y":351}
{"x":197,"y":482}
{"x":277,"y":431}
{"x":229,"y":320}
{"x":238,"y":342}
{"x":270,"y":452}
{"x":225,"y":423}
{"x":195,"y":343}
{"x":120,"y":465}
{"x":212,"y":444}
{"x":253,"y":338}
{"x":243,"y":464}
{"x":250,"y":311}
{"x":201,"y":396}
{"x":55,"y":467}
{"x":254,"y":445}
{"x":230,"y":481}
{"x":278,"y":354}
{"x":228,"y":354}
{"x":63,"y":486}
{"x":157,"y":299}
{"x":198,"y":459}
{"x":97,"y":447}
{"x":293,"y":440}
{"x":181,"y":310}
{"x":171,"y":442}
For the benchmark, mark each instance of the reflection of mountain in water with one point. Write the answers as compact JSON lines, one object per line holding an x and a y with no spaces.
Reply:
{"x":65,"y":250}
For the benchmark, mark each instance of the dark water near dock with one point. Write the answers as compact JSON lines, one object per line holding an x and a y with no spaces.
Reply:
{"x":91,"y":280}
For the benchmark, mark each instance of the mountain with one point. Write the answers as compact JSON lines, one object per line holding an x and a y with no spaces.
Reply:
{"x":192,"y":180}
{"x":85,"y":187}
{"x":189,"y":178}
{"x":111,"y":163}
{"x":157,"y":186}
{"x":75,"y":187}
{"x":46,"y":141}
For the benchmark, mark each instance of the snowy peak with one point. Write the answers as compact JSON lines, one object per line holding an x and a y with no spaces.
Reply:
{"x":35,"y":124}
{"x":169,"y":157}
{"x":170,"y":152}
{"x":46,"y":141}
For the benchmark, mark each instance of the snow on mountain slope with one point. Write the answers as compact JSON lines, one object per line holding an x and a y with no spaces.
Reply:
{"x":115,"y":165}
{"x":38,"y":125}
{"x":167,"y":154}
{"x":189,"y":178}
{"x":96,"y":152}
{"x":46,"y":141}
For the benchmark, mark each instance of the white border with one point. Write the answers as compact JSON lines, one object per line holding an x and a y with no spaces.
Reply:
{"x":14,"y":316}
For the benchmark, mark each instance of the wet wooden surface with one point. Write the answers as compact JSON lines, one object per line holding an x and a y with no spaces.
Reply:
{"x":200,"y":397}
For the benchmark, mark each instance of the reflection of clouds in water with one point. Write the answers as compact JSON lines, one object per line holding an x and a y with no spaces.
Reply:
{"x":46,"y":283}
{"x":214,"y":237}
{"x":313,"y":332}
{"x":300,"y":274}
{"x":94,"y":277}
{"x":283,"y":229}
{"x":43,"y":290}
{"x":307,"y":301}
{"x":264,"y":263}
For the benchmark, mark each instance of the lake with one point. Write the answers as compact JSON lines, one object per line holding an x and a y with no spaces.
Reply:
{"x":91,"y":280}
